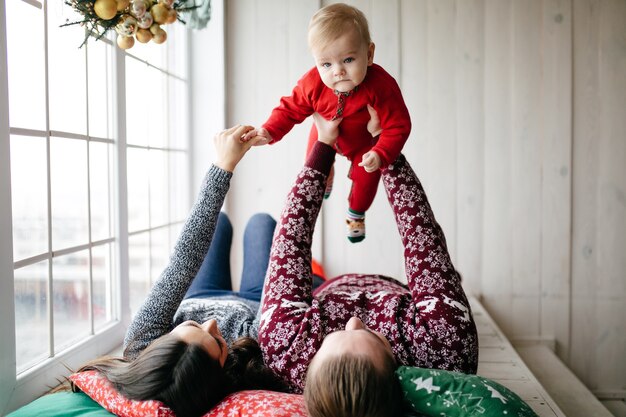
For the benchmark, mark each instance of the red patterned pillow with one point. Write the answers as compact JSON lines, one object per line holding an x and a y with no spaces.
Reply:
{"x":239,"y":404}
{"x":102,"y":391}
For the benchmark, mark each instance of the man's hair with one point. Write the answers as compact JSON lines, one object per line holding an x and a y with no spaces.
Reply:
{"x":333,"y":21}
{"x":353,"y":386}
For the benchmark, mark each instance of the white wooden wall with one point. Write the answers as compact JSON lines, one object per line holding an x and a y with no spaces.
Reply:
{"x":519,"y":136}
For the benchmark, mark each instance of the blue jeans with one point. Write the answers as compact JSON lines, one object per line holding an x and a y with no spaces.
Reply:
{"x":214,"y":279}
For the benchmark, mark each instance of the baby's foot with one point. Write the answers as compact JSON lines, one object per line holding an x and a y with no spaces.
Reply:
{"x":355,"y":229}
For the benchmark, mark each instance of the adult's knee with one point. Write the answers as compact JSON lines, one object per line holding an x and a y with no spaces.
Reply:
{"x":262,"y":220}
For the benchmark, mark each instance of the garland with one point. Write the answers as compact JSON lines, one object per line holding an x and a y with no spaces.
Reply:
{"x":131,"y":19}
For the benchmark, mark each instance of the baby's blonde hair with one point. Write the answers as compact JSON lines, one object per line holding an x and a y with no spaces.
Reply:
{"x":332,"y":21}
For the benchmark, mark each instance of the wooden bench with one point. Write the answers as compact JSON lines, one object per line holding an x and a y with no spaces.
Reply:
{"x":534,"y":373}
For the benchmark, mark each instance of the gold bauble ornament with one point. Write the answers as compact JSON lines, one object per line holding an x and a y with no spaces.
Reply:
{"x":145,"y":21}
{"x":155,"y":28}
{"x":143,"y":35}
{"x":126,"y":26}
{"x":105,"y":9}
{"x":139,"y":7}
{"x":171,"y":16}
{"x":159,"y":13}
{"x":125,"y":42}
{"x":160,"y":36}
{"x":122,"y":5}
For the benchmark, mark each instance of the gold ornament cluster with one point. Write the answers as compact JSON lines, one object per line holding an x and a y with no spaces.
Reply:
{"x":140,"y":20}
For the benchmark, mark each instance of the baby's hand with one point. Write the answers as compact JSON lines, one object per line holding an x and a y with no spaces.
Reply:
{"x":262,"y":135}
{"x":371,"y":161}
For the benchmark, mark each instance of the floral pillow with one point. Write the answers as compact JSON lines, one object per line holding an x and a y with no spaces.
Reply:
{"x":434,"y":392}
{"x":240,"y":404}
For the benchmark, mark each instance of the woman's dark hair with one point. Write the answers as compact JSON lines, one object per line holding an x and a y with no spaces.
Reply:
{"x":184,"y":377}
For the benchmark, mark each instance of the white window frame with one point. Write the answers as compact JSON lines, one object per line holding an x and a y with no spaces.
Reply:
{"x":15,"y":391}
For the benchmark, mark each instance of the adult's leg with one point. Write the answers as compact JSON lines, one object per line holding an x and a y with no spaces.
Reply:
{"x":257,"y":242}
{"x":448,"y":337}
{"x":213,"y":278}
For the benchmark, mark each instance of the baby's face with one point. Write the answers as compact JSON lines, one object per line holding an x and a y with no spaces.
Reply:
{"x":342,"y":64}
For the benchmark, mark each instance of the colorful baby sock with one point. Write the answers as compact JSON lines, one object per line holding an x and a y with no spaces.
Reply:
{"x":356,"y":226}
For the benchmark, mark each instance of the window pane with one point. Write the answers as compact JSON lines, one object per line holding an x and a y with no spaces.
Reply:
{"x":138,"y":187}
{"x":151,"y":52}
{"x":31,"y":315}
{"x":71,"y":299}
{"x":160,"y":252}
{"x":69,"y":192}
{"x":145,"y":107}
{"x":29,"y":196}
{"x":67,"y":70}
{"x":177,"y":49}
{"x":157,"y":128}
{"x":100,"y":155}
{"x":139,"y":95}
{"x":25,"y":61}
{"x":179,"y":189}
{"x":102,"y":266}
{"x":138,"y":269}
{"x":158,"y":188}
{"x":179,"y":115}
{"x":100,"y":89}
{"x":175,"y":230}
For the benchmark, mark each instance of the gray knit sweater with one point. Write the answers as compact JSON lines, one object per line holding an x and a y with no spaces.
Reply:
{"x":164,"y":308}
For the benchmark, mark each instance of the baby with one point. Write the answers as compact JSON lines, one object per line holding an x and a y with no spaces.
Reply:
{"x":342,"y":84}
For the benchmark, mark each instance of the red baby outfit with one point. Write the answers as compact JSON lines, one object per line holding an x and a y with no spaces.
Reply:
{"x":428,"y":323}
{"x":378,"y":89}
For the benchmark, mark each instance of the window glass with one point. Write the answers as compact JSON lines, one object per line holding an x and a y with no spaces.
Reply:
{"x":159,"y":190}
{"x":179,"y":191}
{"x":100,"y":157}
{"x":138,"y":168}
{"x":151,"y":52}
{"x":179,"y":114}
{"x":29,"y":196}
{"x":160,"y":251}
{"x":32,"y":332}
{"x":177,"y":45}
{"x":138,"y":269}
{"x":68,"y":177}
{"x":66,"y":71}
{"x":157,"y":127}
{"x":71,"y":299}
{"x":138,"y":105}
{"x":26,"y":65}
{"x":103,"y":291}
{"x":100,"y":89}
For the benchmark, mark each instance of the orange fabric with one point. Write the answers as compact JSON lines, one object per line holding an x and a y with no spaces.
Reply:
{"x":318,"y":269}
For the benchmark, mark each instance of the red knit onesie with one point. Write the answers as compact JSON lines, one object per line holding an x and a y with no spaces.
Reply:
{"x":378,"y":89}
{"x":428,"y":323}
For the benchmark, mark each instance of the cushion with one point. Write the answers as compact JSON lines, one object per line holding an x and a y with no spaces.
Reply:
{"x":240,"y":404}
{"x":62,"y":404}
{"x":434,"y":392}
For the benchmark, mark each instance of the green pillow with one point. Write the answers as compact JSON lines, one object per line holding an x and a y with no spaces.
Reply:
{"x":62,"y":404}
{"x":434,"y":392}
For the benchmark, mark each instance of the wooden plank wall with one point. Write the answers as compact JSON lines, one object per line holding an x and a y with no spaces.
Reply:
{"x":519,"y":136}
